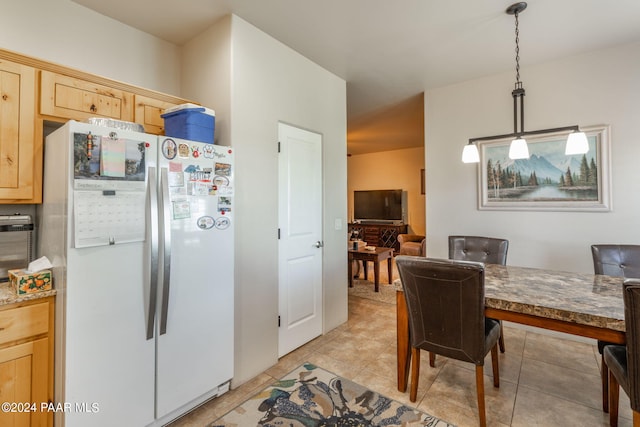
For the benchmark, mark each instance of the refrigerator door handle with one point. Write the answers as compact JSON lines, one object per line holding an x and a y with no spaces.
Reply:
{"x":166,"y":227}
{"x":152,"y":197}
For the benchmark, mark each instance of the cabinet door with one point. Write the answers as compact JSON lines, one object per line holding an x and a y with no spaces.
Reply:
{"x":23,"y":381}
{"x":20,"y":155}
{"x":70,"y":98}
{"x":147,"y":112}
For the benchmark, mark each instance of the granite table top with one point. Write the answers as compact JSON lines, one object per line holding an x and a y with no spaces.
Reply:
{"x":586,"y":299}
{"x":9,"y":296}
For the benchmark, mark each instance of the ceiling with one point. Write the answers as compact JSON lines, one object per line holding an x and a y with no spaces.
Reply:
{"x":391,"y":51}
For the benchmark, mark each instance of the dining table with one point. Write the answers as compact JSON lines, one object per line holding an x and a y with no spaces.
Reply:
{"x":587,"y":305}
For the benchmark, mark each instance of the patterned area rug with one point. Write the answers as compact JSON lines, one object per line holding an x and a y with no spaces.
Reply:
{"x":312,"y":397}
{"x":366,"y":289}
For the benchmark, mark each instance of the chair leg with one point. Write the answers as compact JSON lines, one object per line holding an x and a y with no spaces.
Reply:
{"x":494,"y":366}
{"x":432,"y":359}
{"x":480,"y":393}
{"x":415,"y":373}
{"x":614,"y":395}
{"x":501,"y":339}
{"x":604,"y":373}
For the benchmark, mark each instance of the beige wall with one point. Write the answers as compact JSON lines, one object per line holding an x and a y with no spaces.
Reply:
{"x":599,"y":87}
{"x":387,"y":170}
{"x":66,"y":33}
{"x":268,"y":83}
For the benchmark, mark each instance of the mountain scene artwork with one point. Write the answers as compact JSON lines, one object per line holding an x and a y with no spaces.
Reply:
{"x":548,"y":174}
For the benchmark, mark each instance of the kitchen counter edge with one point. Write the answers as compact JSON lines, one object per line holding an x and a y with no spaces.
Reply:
{"x":9,"y":296}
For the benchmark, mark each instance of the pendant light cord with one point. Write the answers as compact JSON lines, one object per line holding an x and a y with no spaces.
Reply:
{"x":518,"y":82}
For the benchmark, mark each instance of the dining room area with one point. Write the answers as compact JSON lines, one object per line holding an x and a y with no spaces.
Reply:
{"x":550,"y":372}
{"x":550,"y":234}
{"x":557,"y":305}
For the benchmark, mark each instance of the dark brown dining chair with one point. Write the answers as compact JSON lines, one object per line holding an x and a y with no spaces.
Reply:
{"x":488,"y":250}
{"x":445,"y":303}
{"x":624,"y":361}
{"x":619,"y":261}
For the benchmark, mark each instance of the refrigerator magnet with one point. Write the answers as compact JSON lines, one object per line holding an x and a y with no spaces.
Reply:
{"x":177,"y":192}
{"x":222,"y":169}
{"x":220,"y":181}
{"x":195,"y":151}
{"x":222,"y":223}
{"x":205,"y":222}
{"x":224,"y":204}
{"x":201,"y":189}
{"x":225,"y":191}
{"x":208,"y":152}
{"x":176,"y":179}
{"x":169,"y":149}
{"x":183,"y":150}
{"x":181,"y":209}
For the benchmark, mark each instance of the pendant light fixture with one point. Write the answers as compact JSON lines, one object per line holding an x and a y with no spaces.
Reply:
{"x":576,"y":142}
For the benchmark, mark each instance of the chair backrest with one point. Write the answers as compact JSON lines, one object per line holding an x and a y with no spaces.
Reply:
{"x":488,"y":250}
{"x":631,"y":295}
{"x":445,"y":302}
{"x":616,"y":260}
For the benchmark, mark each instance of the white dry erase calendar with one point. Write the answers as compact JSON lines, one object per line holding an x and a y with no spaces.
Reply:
{"x":109,"y":190}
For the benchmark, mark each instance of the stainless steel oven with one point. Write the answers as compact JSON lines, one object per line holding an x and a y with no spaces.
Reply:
{"x":16,"y":243}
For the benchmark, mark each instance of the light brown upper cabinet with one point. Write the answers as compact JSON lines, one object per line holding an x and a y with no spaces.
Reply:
{"x":148,"y":111}
{"x":33,"y":92}
{"x":20,"y":154}
{"x":71,"y":98}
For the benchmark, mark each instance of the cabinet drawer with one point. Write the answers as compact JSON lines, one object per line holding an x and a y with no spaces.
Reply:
{"x":23,"y":322}
{"x":70,"y":98}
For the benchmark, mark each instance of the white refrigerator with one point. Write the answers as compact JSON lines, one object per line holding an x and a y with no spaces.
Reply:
{"x":139,"y":229}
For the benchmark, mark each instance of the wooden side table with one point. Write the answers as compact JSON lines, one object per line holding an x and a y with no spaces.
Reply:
{"x":376,"y":256}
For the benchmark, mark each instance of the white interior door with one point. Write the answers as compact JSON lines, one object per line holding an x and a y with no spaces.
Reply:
{"x":300,"y":244}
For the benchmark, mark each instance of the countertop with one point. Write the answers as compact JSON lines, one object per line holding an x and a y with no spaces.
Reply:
{"x":586,"y":299}
{"x":8,"y":295}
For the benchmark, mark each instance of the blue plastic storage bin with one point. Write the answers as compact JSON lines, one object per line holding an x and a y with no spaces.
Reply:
{"x":190,"y":123}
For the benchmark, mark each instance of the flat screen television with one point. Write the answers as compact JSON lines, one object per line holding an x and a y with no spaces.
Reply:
{"x":378,"y":206}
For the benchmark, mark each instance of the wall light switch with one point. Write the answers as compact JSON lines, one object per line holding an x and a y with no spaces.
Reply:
{"x":338,"y":224}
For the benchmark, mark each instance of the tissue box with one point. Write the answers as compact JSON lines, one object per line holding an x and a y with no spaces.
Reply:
{"x":27,"y":283}
{"x":195,"y":124}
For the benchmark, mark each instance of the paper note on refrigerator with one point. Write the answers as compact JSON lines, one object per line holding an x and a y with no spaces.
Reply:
{"x":108,"y":217}
{"x":112,"y":157}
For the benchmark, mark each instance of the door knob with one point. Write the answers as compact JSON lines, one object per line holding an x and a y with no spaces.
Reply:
{"x":319,"y":244}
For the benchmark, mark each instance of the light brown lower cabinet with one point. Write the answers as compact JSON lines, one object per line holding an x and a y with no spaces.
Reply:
{"x":26,"y":363}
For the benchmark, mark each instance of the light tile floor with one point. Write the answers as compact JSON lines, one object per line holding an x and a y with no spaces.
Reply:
{"x":544,"y":380}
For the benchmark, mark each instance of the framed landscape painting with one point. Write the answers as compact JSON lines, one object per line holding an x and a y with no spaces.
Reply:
{"x":548,"y":179}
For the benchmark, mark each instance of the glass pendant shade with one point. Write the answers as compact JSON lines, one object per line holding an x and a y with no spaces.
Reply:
{"x":470,"y":154}
{"x":518,"y":149}
{"x":576,"y":144}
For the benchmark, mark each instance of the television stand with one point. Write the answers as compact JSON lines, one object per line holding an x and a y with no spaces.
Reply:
{"x":378,"y":221}
{"x":380,"y":234}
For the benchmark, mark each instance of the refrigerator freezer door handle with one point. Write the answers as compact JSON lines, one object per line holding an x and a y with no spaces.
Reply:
{"x":152,"y":197}
{"x":166,"y":226}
